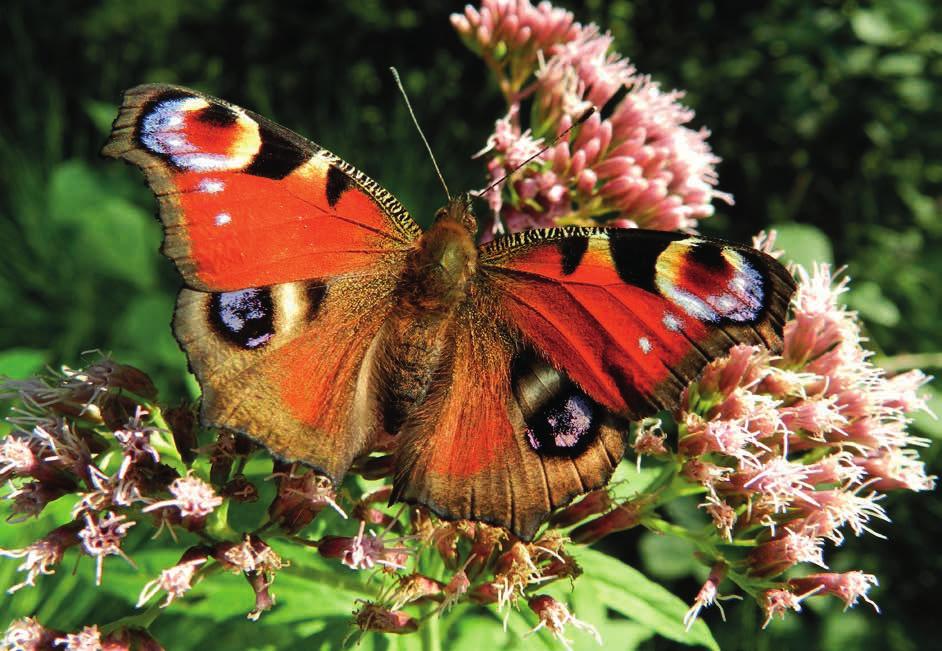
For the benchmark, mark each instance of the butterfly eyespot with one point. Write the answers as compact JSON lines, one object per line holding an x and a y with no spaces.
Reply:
{"x":710,"y":282}
{"x":197,"y":135}
{"x":244,"y":317}
{"x":563,"y":427}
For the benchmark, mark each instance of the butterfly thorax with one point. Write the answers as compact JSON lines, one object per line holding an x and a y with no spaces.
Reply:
{"x":435,"y":284}
{"x":443,"y":261}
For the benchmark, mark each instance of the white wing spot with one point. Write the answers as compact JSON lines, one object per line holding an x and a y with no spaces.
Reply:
{"x":211,"y":186}
{"x":223,"y":218}
{"x":671,"y":322}
{"x":645,"y":345}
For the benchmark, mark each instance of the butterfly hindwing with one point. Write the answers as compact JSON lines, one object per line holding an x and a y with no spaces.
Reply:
{"x":289,"y":256}
{"x":503,"y":437}
{"x":247,"y":203}
{"x":289,"y":364}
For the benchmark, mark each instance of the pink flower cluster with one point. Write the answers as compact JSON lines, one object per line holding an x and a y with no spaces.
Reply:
{"x":100,"y":435}
{"x":791,"y":453}
{"x":633,"y":162}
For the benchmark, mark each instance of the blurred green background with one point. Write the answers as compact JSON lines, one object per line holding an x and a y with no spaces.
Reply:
{"x":826,"y":115}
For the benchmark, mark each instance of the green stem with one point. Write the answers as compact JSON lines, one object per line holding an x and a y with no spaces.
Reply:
{"x":140,"y":620}
{"x":431,"y":634}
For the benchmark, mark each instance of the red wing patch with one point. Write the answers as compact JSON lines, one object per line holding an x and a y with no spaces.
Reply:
{"x":632,"y":316}
{"x":247,"y":203}
{"x":477,"y":449}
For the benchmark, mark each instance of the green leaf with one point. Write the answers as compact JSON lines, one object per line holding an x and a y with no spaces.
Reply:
{"x":73,"y":187}
{"x":868,"y":299}
{"x":667,"y":557}
{"x":803,"y":244}
{"x":473,"y":632}
{"x":627,"y":481}
{"x":874,"y":27}
{"x":19,"y":363}
{"x":627,"y":591}
{"x":119,"y":239}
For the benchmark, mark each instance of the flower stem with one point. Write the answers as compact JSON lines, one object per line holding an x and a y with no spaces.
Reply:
{"x":431,"y":634}
{"x":140,"y":620}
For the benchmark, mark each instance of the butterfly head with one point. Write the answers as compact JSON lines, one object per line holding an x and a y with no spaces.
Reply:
{"x":458,"y":210}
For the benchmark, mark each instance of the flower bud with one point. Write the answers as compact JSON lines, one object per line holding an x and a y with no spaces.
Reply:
{"x":624,"y":516}
{"x":182,"y":423}
{"x":373,"y":617}
{"x":27,"y":634}
{"x":846,"y":586}
{"x":593,"y":503}
{"x":302,"y":494}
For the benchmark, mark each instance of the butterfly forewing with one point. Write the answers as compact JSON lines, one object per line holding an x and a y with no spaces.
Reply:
{"x":632,"y":316}
{"x":290,"y":257}
{"x":247,"y":203}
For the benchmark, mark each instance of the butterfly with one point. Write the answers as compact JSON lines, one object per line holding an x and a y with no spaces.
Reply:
{"x":320,"y":320}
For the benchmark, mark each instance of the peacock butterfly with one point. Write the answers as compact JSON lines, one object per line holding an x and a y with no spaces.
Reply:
{"x":319,"y":318}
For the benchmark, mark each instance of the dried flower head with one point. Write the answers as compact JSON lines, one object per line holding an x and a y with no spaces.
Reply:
{"x":102,"y":536}
{"x":555,"y":617}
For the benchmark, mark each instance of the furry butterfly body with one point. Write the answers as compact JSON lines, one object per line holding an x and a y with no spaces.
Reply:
{"x":320,"y":319}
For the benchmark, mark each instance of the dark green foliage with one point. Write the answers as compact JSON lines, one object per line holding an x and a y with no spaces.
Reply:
{"x":826,"y":114}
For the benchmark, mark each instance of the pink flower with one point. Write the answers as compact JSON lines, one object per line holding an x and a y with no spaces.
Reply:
{"x":44,"y":555}
{"x":723,"y":515}
{"x":175,"y":581}
{"x":848,"y":586}
{"x":88,"y":639}
{"x":594,"y":503}
{"x":555,"y":617}
{"x":624,"y":516}
{"x":895,"y":469}
{"x":414,"y":587}
{"x":640,"y":163}
{"x":363,"y":551}
{"x":456,"y":588}
{"x":17,"y":457}
{"x":778,"y":601}
{"x":27,"y":634}
{"x":193,"y":497}
{"x":102,"y":537}
{"x":135,"y":442}
{"x":302,"y":494}
{"x":373,"y":617}
{"x":251,"y":555}
{"x":509,"y":34}
{"x":788,"y":549}
{"x":649,"y":440}
{"x":708,"y":595}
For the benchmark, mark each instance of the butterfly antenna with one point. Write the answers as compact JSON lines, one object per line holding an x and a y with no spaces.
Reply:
{"x":582,"y":118}
{"x":402,"y":90}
